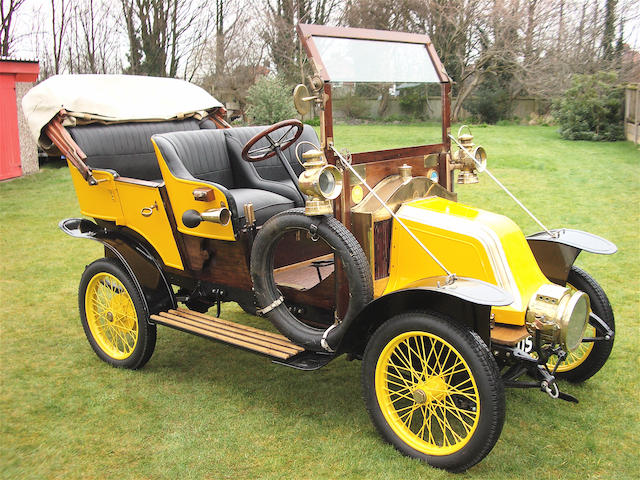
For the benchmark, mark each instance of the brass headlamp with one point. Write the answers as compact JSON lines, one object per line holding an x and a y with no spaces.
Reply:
{"x":557,"y":316}
{"x":469,"y":165}
{"x":320,"y":181}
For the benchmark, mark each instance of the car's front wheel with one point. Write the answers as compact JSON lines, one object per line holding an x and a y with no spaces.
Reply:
{"x":433,"y":390}
{"x":589,"y":357}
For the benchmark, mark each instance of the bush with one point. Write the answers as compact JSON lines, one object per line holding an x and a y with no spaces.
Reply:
{"x":269,"y":101}
{"x":353,"y":106}
{"x":490,"y":102}
{"x":414,"y":101}
{"x":592,"y":109}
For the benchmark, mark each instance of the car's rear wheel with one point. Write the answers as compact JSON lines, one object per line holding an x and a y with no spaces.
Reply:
{"x":113,"y":316}
{"x":433,"y":390}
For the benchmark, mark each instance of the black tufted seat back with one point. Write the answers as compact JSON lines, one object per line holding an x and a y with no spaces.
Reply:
{"x":203,"y":153}
{"x":126,"y":147}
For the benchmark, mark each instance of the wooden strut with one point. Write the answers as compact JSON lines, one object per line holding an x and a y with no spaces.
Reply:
{"x":68,"y":147}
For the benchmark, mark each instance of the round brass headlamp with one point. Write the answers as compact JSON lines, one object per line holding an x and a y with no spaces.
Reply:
{"x":558,"y":316}
{"x":320,"y":181}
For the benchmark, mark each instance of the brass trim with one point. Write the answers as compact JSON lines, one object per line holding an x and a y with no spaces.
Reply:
{"x":431,"y":160}
{"x":362,"y":171}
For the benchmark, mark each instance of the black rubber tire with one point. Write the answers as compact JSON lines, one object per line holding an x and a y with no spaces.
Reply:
{"x":146,"y":332}
{"x":247,"y":307}
{"x":600,"y":305}
{"x":345,"y":247}
{"x":483,"y":368}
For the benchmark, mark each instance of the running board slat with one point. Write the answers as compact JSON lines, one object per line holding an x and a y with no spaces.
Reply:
{"x":243,"y":336}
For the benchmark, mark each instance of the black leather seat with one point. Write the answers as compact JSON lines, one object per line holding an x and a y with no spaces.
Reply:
{"x":203,"y":155}
{"x":126,"y":147}
{"x":269,"y":174}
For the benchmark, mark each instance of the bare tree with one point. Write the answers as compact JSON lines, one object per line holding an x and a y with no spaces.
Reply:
{"x":234,"y":58}
{"x":8,"y":9}
{"x":279,"y":33}
{"x":94,"y":45}
{"x":163,"y":34}
{"x":59,"y":20}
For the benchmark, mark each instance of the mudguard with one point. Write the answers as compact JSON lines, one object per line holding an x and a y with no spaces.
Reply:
{"x":466,"y":299}
{"x":556,"y":254}
{"x":143,"y":268}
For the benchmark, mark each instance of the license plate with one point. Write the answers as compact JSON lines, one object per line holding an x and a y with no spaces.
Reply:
{"x":526,"y":345}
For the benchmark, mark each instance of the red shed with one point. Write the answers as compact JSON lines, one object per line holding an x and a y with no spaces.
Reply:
{"x":16,"y":77}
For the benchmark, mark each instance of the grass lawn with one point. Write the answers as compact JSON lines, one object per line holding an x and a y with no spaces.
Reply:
{"x":205,"y":410}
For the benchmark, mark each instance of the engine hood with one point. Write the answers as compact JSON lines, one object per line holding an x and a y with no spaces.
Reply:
{"x":471,"y":243}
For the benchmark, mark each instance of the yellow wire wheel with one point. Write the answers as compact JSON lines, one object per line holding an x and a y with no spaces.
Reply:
{"x":433,"y":390}
{"x":113,"y":315}
{"x":589,"y":357}
{"x":427,"y":393}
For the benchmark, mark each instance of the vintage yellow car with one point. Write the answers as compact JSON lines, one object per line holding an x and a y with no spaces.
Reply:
{"x":366,"y":254}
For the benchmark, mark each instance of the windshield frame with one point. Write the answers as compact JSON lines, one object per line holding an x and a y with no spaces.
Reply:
{"x":381,"y":162}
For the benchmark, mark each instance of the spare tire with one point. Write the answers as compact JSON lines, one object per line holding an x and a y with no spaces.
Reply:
{"x":345,"y":247}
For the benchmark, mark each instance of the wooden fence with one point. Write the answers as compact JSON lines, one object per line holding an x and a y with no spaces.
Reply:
{"x":632,"y":112}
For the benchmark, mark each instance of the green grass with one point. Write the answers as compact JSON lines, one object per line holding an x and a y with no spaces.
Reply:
{"x":204,"y":410}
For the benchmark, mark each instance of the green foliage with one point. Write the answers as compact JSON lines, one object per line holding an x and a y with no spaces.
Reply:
{"x":269,"y":101}
{"x":414,"y":101}
{"x":314,"y":122}
{"x":489,"y":103}
{"x":592,"y":109}
{"x":353,"y":106}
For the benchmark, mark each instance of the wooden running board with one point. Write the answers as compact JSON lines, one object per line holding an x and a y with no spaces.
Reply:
{"x":243,"y":336}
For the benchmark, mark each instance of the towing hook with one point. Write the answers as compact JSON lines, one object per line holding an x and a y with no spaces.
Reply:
{"x":550,"y":387}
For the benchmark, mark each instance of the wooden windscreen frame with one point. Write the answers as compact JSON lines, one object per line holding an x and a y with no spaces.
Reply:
{"x":306,"y":32}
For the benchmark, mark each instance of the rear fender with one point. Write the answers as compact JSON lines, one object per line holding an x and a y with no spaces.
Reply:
{"x":556,"y":255}
{"x":143,"y":268}
{"x":466,"y":300}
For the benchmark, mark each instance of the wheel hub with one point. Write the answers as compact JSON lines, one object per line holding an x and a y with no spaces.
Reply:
{"x":109,"y":317}
{"x":433,"y":388}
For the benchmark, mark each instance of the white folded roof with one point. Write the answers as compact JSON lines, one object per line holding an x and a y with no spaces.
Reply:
{"x":113,"y":98}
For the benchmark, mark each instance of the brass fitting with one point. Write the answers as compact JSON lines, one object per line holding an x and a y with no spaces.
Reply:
{"x":558,"y":316}
{"x":461,"y":160}
{"x":320,"y":181}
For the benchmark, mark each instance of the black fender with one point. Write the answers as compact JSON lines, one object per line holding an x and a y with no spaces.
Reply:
{"x":466,"y":300}
{"x":137,"y":259}
{"x":557,"y":253}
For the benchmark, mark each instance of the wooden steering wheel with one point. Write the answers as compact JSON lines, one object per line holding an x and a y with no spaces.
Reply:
{"x":284,"y":141}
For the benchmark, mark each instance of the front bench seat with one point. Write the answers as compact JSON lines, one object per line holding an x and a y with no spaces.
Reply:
{"x":202,"y":155}
{"x":268,"y":174}
{"x":126,"y":147}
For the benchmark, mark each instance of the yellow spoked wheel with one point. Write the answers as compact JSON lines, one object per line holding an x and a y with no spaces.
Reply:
{"x":575,"y":357}
{"x":433,"y":390}
{"x":427,"y":393}
{"x":589,"y":357}
{"x":113,"y":316}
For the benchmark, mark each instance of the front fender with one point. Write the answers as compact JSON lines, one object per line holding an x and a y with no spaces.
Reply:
{"x":466,"y":300}
{"x":143,"y":268}
{"x":556,"y":254}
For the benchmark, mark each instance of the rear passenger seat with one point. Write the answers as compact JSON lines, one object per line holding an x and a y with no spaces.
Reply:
{"x":126,"y":147}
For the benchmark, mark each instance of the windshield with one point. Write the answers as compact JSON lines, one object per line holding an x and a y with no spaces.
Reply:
{"x":392,"y":82}
{"x":375,"y":61}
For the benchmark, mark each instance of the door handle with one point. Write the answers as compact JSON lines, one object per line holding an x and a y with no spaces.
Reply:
{"x":147,"y":211}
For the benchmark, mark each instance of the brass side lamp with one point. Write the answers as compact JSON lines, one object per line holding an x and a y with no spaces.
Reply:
{"x":469,"y":165}
{"x":320,"y":181}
